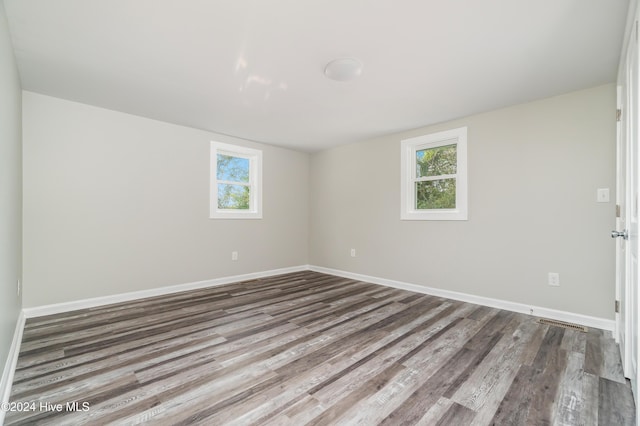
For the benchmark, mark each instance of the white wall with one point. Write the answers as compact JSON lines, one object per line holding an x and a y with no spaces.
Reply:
{"x":115,"y":203}
{"x":533,"y":173}
{"x":10,"y":189}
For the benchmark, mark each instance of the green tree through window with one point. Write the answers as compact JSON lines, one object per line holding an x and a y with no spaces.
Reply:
{"x":236,"y":182}
{"x":233,"y":182}
{"x":435,"y":187}
{"x":434,"y":176}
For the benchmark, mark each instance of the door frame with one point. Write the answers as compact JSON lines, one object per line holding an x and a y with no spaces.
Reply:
{"x":626,"y":161}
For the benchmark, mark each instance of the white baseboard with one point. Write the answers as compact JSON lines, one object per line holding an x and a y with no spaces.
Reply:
{"x":588,"y":321}
{"x":58,"y":308}
{"x":10,"y":365}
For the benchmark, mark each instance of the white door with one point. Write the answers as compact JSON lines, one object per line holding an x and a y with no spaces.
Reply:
{"x":627,"y":222}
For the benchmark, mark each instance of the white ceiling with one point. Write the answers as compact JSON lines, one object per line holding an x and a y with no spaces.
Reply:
{"x":254,"y":68}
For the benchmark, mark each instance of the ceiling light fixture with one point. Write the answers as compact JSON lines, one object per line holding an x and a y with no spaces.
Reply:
{"x":344,"y":69}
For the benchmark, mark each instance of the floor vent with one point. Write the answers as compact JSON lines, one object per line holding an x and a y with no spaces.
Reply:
{"x":568,"y":325}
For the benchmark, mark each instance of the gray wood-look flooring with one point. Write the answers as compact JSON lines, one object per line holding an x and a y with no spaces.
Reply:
{"x":310,"y":348}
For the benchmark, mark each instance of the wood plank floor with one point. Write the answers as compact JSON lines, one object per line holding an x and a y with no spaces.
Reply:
{"x":310,"y":348}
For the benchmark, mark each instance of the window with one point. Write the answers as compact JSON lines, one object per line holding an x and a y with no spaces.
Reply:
{"x":434,"y":176}
{"x":236,"y":182}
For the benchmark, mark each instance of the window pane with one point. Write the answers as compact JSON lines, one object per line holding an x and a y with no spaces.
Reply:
{"x":233,"y":197}
{"x":436,"y":194}
{"x":436,"y":161}
{"x":234,"y":169}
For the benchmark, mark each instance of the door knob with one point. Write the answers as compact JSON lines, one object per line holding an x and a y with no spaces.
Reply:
{"x":624,"y":234}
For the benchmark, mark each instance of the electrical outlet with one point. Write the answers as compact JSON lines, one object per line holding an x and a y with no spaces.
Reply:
{"x":353,"y":252}
{"x":554,"y":279}
{"x":234,"y":255}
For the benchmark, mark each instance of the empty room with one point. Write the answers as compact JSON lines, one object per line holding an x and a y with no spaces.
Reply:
{"x":319,"y":213}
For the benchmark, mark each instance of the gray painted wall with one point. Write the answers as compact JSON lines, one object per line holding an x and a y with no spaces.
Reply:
{"x":533,"y":174}
{"x":10,"y":189}
{"x":115,"y":203}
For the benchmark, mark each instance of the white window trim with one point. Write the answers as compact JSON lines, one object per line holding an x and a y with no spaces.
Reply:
{"x":409,"y":147}
{"x":255,"y":182}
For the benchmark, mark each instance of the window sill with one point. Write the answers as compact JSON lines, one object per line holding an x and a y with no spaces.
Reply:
{"x":235,"y":215}
{"x":434,"y":215}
